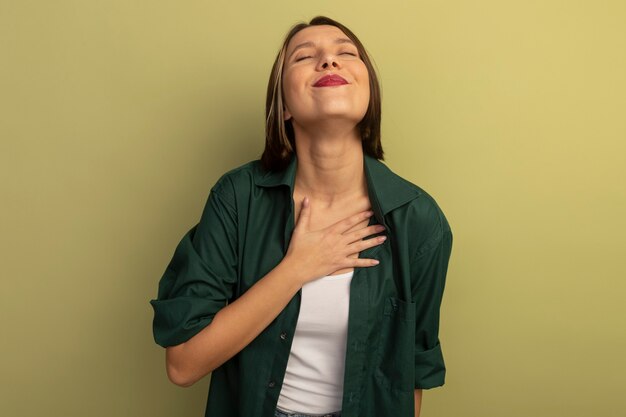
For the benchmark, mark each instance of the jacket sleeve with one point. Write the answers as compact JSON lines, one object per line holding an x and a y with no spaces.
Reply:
{"x":429,"y":267}
{"x":201,"y":275}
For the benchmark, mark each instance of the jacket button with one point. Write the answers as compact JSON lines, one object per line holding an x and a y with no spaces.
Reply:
{"x":271,"y":384}
{"x":283,"y":335}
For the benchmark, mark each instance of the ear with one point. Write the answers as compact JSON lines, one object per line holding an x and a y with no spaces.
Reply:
{"x":286,"y":114}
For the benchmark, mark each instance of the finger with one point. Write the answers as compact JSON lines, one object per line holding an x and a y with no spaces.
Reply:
{"x":305,"y":213}
{"x":364,"y":262}
{"x":364,"y":232}
{"x":361,"y":245}
{"x":346,"y":224}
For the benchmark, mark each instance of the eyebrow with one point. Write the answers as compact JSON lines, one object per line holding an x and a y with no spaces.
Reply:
{"x":311,"y":44}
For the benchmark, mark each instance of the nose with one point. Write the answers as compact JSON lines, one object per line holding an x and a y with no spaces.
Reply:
{"x":328,"y":60}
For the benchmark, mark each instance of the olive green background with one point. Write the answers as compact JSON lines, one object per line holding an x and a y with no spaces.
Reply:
{"x":118,"y":117}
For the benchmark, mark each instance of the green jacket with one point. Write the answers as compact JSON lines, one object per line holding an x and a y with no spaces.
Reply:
{"x":244,"y":232}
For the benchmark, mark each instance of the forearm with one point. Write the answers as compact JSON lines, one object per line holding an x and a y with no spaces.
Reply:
{"x":234,"y":326}
{"x":418,"y":401}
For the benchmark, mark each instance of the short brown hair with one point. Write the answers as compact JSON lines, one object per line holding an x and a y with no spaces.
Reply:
{"x":279,"y":135}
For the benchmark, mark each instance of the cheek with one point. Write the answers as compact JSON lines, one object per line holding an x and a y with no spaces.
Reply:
{"x":361,"y":74}
{"x":290,"y":84}
{"x":364,"y":85}
{"x":364,"y":74}
{"x":287,"y":91}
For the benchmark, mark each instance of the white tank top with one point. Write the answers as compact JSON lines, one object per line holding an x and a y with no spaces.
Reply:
{"x":313,"y":382}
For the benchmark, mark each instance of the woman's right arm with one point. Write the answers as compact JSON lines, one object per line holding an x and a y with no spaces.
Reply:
{"x":234,"y":326}
{"x":311,"y":254}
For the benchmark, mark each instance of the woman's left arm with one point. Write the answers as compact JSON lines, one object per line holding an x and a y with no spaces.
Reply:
{"x":418,"y":401}
{"x":429,"y":267}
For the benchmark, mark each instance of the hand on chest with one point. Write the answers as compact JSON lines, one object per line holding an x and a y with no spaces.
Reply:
{"x":322,"y":218}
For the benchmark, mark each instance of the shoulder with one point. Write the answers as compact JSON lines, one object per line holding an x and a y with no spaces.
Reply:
{"x":237,"y":180}
{"x":425,"y":221}
{"x":425,"y":210}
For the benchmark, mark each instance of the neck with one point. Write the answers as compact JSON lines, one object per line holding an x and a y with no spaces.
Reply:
{"x":330,"y":168}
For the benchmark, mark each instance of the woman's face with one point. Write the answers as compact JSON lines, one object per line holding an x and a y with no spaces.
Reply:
{"x":305,"y":65}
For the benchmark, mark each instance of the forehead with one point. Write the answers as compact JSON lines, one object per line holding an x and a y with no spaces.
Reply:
{"x":316,"y":34}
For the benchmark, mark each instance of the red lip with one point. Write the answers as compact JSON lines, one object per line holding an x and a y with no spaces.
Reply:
{"x":330,"y":79}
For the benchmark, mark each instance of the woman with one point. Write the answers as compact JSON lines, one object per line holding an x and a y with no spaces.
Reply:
{"x":311,"y":317}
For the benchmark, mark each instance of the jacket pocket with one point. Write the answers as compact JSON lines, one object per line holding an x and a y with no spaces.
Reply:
{"x":396,"y":345}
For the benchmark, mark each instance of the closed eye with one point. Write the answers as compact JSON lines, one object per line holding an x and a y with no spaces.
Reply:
{"x":343,"y":53}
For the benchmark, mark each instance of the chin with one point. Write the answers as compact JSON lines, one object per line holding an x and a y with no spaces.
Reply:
{"x":347,"y":110}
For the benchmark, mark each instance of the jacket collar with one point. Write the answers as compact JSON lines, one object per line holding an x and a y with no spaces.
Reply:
{"x":386,"y":189}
